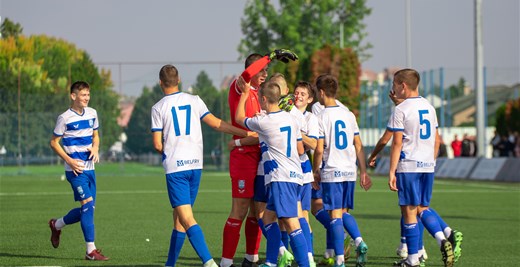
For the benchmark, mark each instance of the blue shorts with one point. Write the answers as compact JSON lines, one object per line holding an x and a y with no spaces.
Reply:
{"x":83,"y":185}
{"x":304,"y":192}
{"x":317,"y":194}
{"x":260,"y":190}
{"x":414,"y":189}
{"x":283,"y":199}
{"x":183,"y":187}
{"x":338,"y":195}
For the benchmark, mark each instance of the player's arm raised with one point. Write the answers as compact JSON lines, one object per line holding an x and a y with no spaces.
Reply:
{"x":240,"y":114}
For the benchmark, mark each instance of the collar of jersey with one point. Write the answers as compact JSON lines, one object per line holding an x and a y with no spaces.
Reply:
{"x":174,"y":93}
{"x":78,"y":113}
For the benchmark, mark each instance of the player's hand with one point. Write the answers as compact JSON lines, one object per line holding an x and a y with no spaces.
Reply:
{"x":283,"y":55}
{"x":394,"y":98}
{"x":231,"y":144}
{"x":253,"y":134}
{"x":94,"y":154}
{"x":243,"y":86}
{"x":392,"y":182}
{"x":317,"y":181}
{"x":77,"y":166}
{"x":371,"y":161}
{"x":365,"y":182}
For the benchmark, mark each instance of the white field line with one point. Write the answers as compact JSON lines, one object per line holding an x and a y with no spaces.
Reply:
{"x":471,"y":191}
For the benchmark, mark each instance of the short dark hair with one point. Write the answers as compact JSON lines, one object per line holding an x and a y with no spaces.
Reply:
{"x":306,"y":85}
{"x":169,"y":76}
{"x":271,"y":91}
{"x":252,"y":58}
{"x":408,"y":76}
{"x":327,"y":83}
{"x":78,"y":86}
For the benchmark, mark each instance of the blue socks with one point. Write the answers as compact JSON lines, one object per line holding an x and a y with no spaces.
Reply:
{"x":443,"y":224}
{"x":198,"y":243}
{"x":351,"y":226}
{"x":304,"y":225}
{"x":285,"y":239}
{"x":87,"y":221}
{"x":73,"y":216}
{"x":411,"y":232}
{"x":336,"y":227}
{"x":299,"y":246}
{"x":430,"y":222}
{"x":176,"y":242}
{"x":273,"y":237}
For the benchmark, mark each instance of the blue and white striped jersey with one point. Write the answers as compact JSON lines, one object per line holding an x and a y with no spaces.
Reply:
{"x":77,"y":131}
{"x":278,"y":133}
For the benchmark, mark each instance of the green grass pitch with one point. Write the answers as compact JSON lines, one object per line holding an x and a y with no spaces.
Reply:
{"x":132,"y":206}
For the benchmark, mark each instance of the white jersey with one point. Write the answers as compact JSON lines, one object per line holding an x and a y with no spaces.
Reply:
{"x":312,"y":130}
{"x":338,"y":127}
{"x":278,"y":134}
{"x":77,"y":131}
{"x":417,"y":119}
{"x":178,"y":117}
{"x":317,"y":108}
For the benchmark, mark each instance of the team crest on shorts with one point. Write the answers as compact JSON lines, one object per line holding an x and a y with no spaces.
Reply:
{"x":80,"y":190}
{"x":241,"y":186}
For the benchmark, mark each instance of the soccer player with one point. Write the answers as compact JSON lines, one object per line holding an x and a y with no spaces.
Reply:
{"x":77,"y":128}
{"x":177,"y":135}
{"x":412,"y":162}
{"x":304,"y":95}
{"x":282,"y":138}
{"x":454,"y":236}
{"x":338,"y":147}
{"x":243,"y":163}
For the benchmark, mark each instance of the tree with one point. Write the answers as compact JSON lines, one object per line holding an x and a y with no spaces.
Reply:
{"x":9,"y":28}
{"x":35,"y":75}
{"x":303,"y":26}
{"x":507,"y":117}
{"x":138,"y":129}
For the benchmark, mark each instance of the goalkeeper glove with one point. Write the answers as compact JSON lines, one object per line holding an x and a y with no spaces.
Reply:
{"x":283,"y":55}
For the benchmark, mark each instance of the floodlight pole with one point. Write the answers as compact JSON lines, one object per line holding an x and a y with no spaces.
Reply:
{"x":479,"y":82}
{"x":408,"y":36}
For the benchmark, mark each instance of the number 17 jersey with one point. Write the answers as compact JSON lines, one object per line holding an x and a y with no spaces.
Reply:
{"x":178,"y":117}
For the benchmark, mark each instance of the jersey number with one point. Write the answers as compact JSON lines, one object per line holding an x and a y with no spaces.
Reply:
{"x":426,"y":123}
{"x":288,"y":130}
{"x":186,"y":108}
{"x":340,"y":136}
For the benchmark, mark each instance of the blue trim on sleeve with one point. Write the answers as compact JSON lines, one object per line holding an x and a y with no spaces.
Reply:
{"x":204,"y":115}
{"x":356,"y":133}
{"x":321,"y":137}
{"x":156,"y":130}
{"x":298,"y":139}
{"x":55,"y":134}
{"x":395,"y":129}
{"x":313,"y":137}
{"x":245,"y":123}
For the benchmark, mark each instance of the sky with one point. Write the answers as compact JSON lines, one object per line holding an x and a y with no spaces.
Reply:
{"x":134,"y":38}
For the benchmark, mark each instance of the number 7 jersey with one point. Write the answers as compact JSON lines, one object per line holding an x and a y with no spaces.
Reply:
{"x":178,"y":117}
{"x":417,"y":119}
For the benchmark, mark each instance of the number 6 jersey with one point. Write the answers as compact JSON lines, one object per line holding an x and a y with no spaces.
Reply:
{"x":417,"y":119}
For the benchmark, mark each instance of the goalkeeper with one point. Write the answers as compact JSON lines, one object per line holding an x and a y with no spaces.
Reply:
{"x":243,"y":162}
